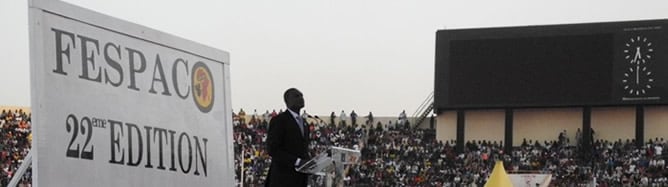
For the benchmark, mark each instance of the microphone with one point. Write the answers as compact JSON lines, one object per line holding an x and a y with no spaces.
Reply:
{"x":314,"y":117}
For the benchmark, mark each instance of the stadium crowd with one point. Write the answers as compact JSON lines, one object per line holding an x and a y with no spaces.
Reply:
{"x":397,"y":155}
{"x":15,"y":143}
{"x":402,"y":156}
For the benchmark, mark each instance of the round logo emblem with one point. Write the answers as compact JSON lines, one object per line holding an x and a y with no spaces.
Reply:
{"x":202,"y":85}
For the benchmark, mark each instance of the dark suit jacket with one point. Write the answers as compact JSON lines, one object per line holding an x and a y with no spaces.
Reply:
{"x":285,"y":144}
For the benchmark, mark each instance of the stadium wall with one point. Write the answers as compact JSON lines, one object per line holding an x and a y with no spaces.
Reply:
{"x":361,"y":119}
{"x":14,"y":108}
{"x":545,"y":124}
{"x":484,"y":125}
{"x":614,"y":123}
{"x":656,"y":119}
{"x":446,"y":126}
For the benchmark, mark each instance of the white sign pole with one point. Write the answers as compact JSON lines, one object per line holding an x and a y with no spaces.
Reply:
{"x":27,"y":161}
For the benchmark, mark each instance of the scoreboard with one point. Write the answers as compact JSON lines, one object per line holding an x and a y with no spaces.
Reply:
{"x":593,"y":64}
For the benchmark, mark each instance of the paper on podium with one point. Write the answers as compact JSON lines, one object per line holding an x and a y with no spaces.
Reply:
{"x":321,"y":163}
{"x":345,"y":156}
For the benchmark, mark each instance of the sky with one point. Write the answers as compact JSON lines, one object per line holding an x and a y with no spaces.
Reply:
{"x":362,"y":55}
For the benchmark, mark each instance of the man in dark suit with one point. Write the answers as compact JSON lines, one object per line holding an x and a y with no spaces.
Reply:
{"x":287,"y":143}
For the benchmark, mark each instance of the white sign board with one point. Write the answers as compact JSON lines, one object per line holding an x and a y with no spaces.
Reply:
{"x":119,"y":104}
{"x":529,"y":180}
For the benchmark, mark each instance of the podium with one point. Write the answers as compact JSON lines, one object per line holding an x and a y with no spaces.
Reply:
{"x":330,"y":164}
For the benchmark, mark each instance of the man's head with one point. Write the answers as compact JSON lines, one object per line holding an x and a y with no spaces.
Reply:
{"x":294,"y":99}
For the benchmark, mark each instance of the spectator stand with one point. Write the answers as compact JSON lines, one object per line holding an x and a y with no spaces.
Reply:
{"x":15,"y":145}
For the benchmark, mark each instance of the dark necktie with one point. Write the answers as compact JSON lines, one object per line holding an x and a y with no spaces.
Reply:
{"x":300,"y":123}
